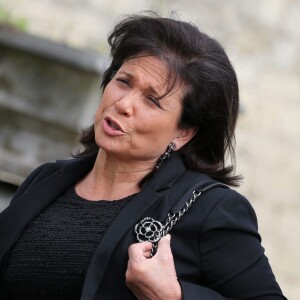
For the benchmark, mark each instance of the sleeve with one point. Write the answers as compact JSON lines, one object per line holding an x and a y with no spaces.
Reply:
{"x":232,"y":259}
{"x":30,"y":181}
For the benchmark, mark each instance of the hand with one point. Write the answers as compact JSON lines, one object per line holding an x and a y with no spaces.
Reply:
{"x":152,"y":278}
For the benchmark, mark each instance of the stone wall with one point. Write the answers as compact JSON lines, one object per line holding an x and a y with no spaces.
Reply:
{"x":46,"y":92}
{"x":262,"y":38}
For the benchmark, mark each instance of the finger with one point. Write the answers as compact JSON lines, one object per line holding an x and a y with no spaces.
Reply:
{"x":164,"y":245}
{"x":165,"y":241}
{"x":138,"y":249}
{"x":147,"y":254}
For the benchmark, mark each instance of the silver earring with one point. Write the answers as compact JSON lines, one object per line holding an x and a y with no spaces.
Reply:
{"x":166,"y":155}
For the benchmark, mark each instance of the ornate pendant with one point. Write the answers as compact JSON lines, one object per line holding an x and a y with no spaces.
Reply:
{"x":149,"y":230}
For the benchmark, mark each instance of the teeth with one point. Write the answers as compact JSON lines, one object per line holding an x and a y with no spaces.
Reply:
{"x":113,"y":125}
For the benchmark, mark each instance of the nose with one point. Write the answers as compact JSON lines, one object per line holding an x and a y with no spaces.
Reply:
{"x":125,"y":105}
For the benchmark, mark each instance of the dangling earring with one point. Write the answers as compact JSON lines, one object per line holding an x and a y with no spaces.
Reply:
{"x":166,"y":155}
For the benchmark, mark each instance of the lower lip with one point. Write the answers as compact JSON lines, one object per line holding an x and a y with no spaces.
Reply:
{"x":110,"y":130}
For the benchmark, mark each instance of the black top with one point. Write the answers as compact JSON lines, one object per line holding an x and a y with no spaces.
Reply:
{"x":50,"y":259}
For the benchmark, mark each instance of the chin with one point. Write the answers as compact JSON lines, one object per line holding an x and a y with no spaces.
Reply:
{"x":110,"y":149}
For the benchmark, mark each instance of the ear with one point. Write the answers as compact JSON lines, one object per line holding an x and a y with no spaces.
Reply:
{"x":184,"y":136}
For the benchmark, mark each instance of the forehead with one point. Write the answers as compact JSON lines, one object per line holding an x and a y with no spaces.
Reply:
{"x":148,"y":66}
{"x":150,"y":70}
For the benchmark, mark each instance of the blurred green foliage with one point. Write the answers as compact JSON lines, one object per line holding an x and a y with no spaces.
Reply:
{"x":7,"y":19}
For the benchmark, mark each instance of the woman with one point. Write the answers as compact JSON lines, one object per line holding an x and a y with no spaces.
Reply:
{"x":163,"y":127}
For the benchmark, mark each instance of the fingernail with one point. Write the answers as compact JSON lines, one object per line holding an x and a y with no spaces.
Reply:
{"x":168,"y":237}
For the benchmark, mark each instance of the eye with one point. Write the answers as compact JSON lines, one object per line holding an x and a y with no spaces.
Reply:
{"x":123,"y":81}
{"x":155,"y":101}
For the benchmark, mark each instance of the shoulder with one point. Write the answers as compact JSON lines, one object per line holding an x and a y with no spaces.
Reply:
{"x":39,"y":174}
{"x":219,"y":206}
{"x":67,"y":170}
{"x":228,"y":209}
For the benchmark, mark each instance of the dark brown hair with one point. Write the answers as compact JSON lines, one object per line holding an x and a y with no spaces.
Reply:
{"x":211,"y":100}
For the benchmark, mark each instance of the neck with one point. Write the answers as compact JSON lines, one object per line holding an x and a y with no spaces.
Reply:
{"x":112,"y":178}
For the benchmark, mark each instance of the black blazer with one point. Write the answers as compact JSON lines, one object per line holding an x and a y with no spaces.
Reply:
{"x":216,"y":245}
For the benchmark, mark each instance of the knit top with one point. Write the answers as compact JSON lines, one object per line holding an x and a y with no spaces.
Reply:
{"x":51,"y":258}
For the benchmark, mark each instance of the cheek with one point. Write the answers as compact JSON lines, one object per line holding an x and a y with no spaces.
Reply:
{"x":98,"y":113}
{"x":158,"y":129}
{"x":102,"y":105}
{"x":148,"y":122}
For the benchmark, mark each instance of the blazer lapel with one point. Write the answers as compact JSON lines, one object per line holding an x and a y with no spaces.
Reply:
{"x":129,"y":216}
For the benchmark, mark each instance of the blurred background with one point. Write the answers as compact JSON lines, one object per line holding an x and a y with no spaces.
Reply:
{"x":52,"y":55}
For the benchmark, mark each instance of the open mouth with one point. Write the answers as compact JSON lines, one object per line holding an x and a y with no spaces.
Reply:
{"x":113,"y":124}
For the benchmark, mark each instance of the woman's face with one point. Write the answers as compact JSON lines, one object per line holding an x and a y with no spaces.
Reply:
{"x":130,"y":122}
